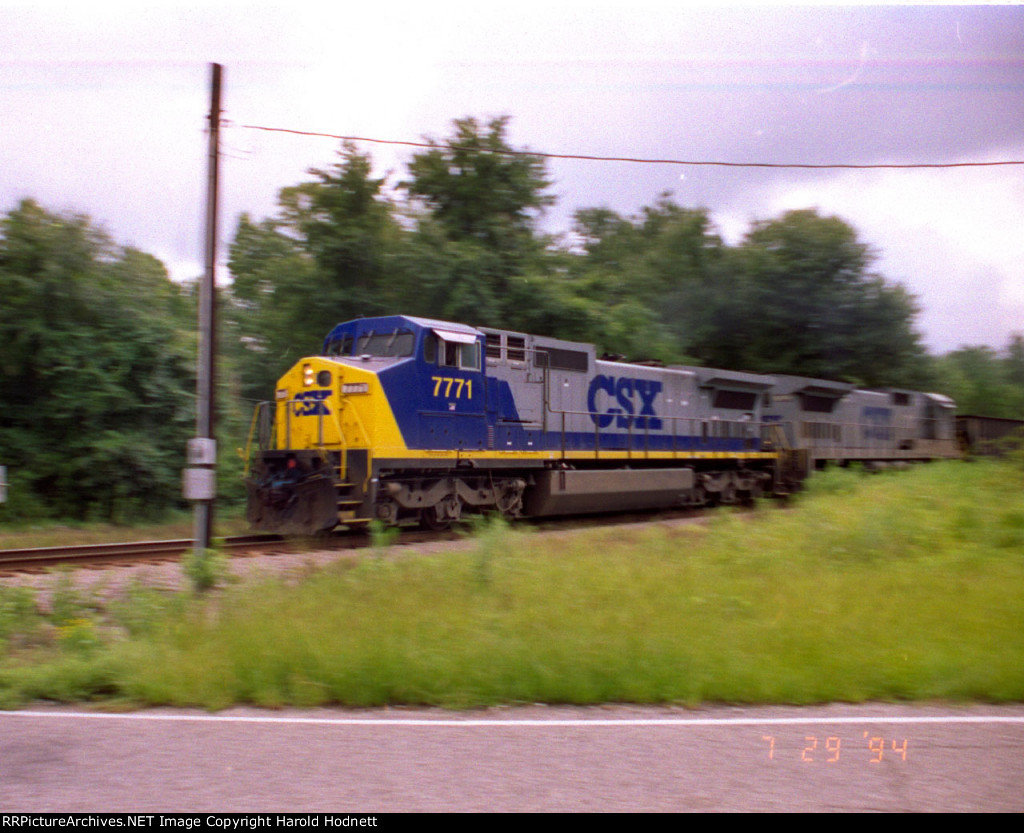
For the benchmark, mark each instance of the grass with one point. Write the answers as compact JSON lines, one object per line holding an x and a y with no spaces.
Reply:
{"x":54,"y":534}
{"x":896,"y":586}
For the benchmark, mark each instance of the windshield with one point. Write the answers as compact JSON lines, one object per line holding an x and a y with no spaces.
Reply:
{"x":341,"y":346}
{"x":396,"y":343}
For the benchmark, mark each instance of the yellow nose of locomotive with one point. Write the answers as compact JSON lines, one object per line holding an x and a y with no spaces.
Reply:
{"x":313,"y":472}
{"x":326,"y":405}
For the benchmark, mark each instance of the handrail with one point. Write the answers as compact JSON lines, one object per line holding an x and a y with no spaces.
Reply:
{"x":247,"y":458}
{"x":369,"y":445}
{"x":749,"y":431}
{"x":322,"y":446}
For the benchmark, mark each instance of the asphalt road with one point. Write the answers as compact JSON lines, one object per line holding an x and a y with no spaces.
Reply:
{"x":874,"y":757}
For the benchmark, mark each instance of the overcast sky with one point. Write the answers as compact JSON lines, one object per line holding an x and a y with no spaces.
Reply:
{"x":103,"y":108}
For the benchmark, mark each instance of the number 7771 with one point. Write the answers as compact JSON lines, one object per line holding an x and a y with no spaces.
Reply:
{"x":448,"y":382}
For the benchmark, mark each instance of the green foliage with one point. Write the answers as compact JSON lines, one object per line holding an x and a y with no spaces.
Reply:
{"x":23,"y":503}
{"x":493,"y":538}
{"x":19,"y":617}
{"x":480,"y":189}
{"x":473,"y":252}
{"x":97,"y":345}
{"x":796,"y":296}
{"x":654,"y":279}
{"x":465,"y":249}
{"x":382,"y":535}
{"x":266,"y":298}
{"x":68,"y":604}
{"x":320,"y":262}
{"x":141,"y":610}
{"x":808,"y":305}
{"x":205,"y":569}
{"x":903,"y":585}
{"x":97,"y":374}
{"x":982,"y":381}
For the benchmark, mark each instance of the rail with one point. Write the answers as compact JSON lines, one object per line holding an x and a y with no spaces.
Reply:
{"x":703,"y":435}
{"x":42,"y":557}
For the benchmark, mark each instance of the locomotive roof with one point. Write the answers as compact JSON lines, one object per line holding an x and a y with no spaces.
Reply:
{"x":449,"y":326}
{"x":392,"y":322}
{"x":941,"y":400}
{"x":713,"y":377}
{"x":786,"y":383}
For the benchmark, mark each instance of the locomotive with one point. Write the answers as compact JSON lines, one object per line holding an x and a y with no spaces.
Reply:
{"x":402,"y":418}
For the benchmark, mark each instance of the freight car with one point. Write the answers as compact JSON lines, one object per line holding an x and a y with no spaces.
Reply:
{"x":988,"y":435}
{"x":404,"y":418}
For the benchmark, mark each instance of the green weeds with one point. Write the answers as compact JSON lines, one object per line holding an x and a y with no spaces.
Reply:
{"x":205,"y":568}
{"x":904,"y":585}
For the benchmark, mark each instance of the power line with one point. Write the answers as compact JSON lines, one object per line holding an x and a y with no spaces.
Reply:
{"x":641,"y":161}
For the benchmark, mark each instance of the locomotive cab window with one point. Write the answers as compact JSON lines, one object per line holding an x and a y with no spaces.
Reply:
{"x":464,"y":356}
{"x":340,"y":346}
{"x":451,"y":349}
{"x":430,"y":349}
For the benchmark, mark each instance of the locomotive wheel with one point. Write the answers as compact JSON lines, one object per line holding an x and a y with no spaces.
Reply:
{"x":430,"y":520}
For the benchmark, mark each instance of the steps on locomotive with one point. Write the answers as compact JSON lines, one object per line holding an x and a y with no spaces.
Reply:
{"x":343,"y":488}
{"x":349,"y":503}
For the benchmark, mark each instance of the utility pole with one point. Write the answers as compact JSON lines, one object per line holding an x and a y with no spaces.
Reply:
{"x":200,"y":478}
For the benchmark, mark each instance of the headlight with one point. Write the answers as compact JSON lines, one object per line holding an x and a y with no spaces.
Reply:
{"x":308,"y":376}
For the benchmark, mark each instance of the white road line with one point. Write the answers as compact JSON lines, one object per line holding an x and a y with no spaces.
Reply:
{"x":582,"y":723}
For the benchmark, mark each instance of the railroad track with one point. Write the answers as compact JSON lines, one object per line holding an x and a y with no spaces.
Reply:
{"x":99,"y":555}
{"x":38,"y":558}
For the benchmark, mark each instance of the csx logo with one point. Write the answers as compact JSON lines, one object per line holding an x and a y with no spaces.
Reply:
{"x":311,"y":403}
{"x":877,"y":423}
{"x":623,"y":393}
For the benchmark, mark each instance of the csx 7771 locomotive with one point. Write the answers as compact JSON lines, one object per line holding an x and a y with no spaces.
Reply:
{"x":407,"y":418}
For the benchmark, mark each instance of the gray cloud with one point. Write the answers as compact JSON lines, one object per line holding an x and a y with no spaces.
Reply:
{"x":104,"y":113}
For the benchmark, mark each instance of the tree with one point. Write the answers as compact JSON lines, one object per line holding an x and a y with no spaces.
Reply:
{"x":475,"y":251}
{"x":666,"y":262}
{"x":1015,"y":361}
{"x":274,"y":282}
{"x":480,"y":189}
{"x":982,"y":382}
{"x":324,"y":259}
{"x":98,"y":375}
{"x":796,"y":296}
{"x":811,"y":306}
{"x":346,"y":225}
